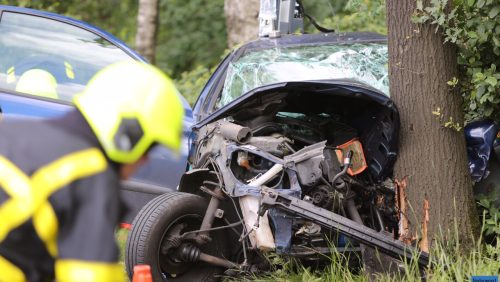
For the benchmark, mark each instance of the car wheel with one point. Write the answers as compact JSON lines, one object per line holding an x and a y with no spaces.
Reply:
{"x":154,"y":239}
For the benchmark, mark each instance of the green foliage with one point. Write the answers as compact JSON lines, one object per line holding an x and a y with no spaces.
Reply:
{"x":289,"y":270}
{"x":448,"y":262}
{"x":360,"y":15}
{"x":491,"y":216}
{"x":51,"y":6}
{"x":190,"y":83}
{"x":118,"y":17}
{"x":321,"y":10}
{"x":473,"y":26}
{"x":121,"y":239}
{"x":191,"y":34}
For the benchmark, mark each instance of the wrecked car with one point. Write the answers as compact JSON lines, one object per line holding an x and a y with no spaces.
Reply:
{"x":292,"y":153}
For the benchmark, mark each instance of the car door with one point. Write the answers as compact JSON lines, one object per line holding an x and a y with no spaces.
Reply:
{"x":70,"y":52}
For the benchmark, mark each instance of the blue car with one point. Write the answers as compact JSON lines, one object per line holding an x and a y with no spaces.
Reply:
{"x":295,"y":137}
{"x":72,"y":52}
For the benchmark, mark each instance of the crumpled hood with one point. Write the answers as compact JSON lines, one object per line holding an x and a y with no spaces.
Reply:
{"x":339,"y":87}
{"x":372,"y":113}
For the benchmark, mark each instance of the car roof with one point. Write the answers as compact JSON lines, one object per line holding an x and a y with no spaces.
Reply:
{"x":293,"y":40}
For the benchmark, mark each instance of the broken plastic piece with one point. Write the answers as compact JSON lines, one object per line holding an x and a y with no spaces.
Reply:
{"x":309,"y":228}
{"x":242,"y":160}
{"x":358,"y":163}
{"x":262,"y":237}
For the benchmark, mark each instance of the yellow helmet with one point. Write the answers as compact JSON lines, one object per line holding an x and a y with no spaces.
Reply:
{"x":38,"y":82}
{"x":130,"y":106}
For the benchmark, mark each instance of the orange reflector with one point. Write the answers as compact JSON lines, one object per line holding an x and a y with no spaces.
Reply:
{"x":142,"y":273}
{"x":127,"y":226}
{"x":358,"y":162}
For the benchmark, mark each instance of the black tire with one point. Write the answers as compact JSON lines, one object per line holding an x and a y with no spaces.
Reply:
{"x":154,"y":221}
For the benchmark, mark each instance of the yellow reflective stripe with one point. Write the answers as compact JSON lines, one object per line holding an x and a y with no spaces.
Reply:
{"x":80,"y":271}
{"x":14,"y":182}
{"x":65,"y":170}
{"x":13,"y":213}
{"x":45,"y":223}
{"x":45,"y":181}
{"x":69,"y":70}
{"x":11,"y":75}
{"x":17,"y":209}
{"x":54,"y":176}
{"x":9,"y":272}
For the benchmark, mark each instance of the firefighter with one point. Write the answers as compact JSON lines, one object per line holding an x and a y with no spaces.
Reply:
{"x":59,"y":178}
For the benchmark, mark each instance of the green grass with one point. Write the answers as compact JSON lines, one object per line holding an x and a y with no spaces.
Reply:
{"x":121,"y":238}
{"x":449,"y":262}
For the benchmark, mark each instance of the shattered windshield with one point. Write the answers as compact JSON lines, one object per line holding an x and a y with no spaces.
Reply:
{"x":365,"y":63}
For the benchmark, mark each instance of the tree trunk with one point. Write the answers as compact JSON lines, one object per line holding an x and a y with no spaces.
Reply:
{"x":242,"y":21}
{"x":432,"y":156}
{"x":147,"y":22}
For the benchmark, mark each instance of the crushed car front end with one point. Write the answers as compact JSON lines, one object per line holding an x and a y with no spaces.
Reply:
{"x":304,"y":130}
{"x":292,"y":153}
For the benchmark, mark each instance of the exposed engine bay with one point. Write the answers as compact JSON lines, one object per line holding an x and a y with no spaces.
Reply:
{"x":298,"y":169}
{"x":332,"y":145}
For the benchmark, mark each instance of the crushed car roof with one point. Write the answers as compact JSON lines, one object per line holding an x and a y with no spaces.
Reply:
{"x":310,"y":39}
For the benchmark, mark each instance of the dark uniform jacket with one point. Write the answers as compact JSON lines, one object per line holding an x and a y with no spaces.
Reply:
{"x":59,"y":202}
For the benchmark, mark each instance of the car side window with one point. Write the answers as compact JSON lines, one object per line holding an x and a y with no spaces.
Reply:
{"x":49,"y":58}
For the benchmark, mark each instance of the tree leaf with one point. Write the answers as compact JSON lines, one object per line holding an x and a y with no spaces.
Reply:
{"x":480,"y":91}
{"x":494,"y":12}
{"x":491,"y":80}
{"x":488,"y":111}
{"x":472,"y":34}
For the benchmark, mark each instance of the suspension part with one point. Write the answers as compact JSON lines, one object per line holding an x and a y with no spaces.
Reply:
{"x":208,"y":219}
{"x":191,"y":253}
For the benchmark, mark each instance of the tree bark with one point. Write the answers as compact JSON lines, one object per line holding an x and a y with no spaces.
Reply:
{"x":242,"y":21}
{"x":147,"y":22}
{"x":432,"y":156}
